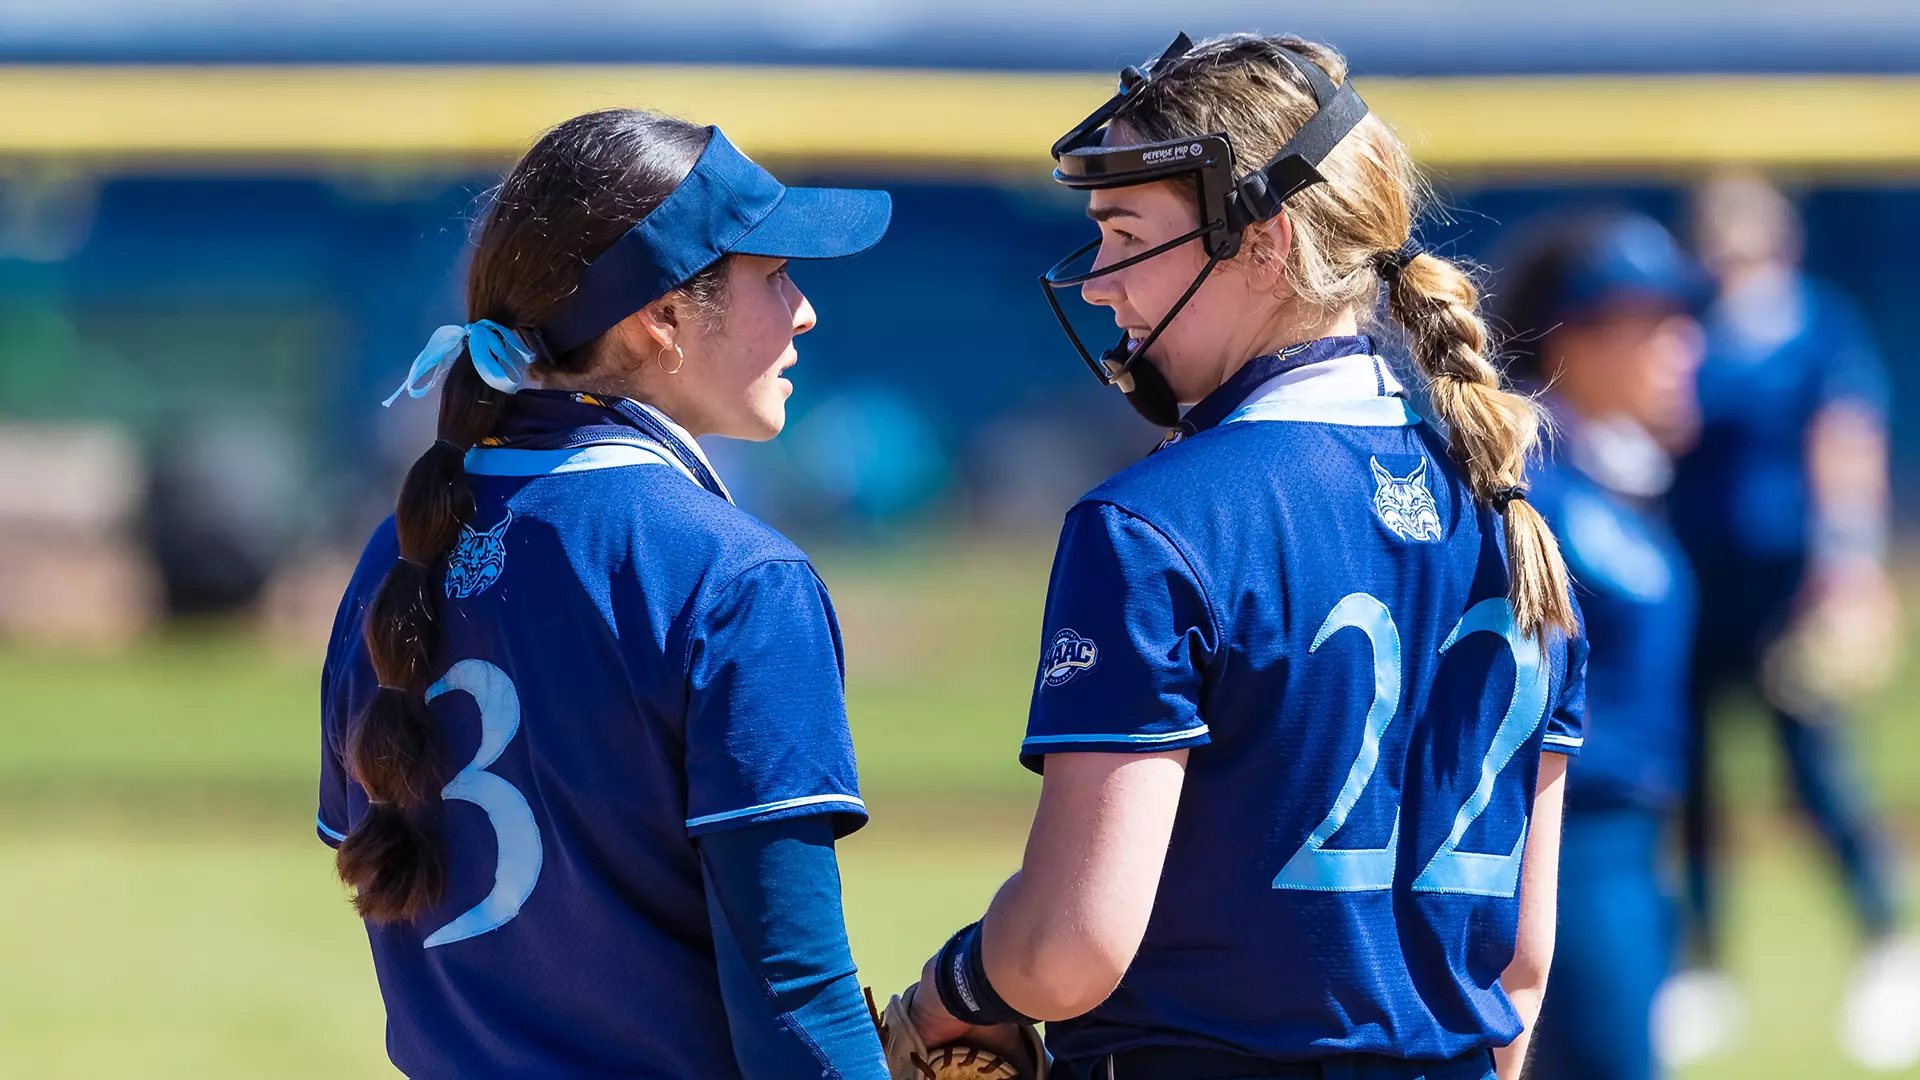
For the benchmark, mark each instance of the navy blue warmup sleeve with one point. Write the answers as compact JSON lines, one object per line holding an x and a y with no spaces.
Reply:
{"x":767,"y":734}
{"x":1127,"y":635}
{"x":794,"y":1006}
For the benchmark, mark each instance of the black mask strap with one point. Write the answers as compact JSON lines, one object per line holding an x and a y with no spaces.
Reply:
{"x":1297,"y":166}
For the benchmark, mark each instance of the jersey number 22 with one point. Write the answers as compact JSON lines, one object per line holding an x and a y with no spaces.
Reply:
{"x":1317,"y":867}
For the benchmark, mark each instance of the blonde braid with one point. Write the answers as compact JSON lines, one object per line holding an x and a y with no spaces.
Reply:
{"x":1491,"y":430}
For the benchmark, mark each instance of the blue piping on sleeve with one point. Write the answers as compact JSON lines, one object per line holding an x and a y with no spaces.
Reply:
{"x":326,"y":833}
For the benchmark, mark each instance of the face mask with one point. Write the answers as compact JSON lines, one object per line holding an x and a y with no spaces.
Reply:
{"x":1085,"y":161}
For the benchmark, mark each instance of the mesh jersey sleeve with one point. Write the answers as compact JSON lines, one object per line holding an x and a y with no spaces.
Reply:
{"x":1567,"y":720}
{"x":346,"y":663}
{"x":767,"y":734}
{"x":1127,"y":634}
{"x":330,"y":823}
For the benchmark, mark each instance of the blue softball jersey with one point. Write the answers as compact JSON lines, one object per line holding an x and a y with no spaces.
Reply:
{"x":1775,"y":358}
{"x":1303,"y":593}
{"x":1637,"y":597}
{"x":630,"y":662}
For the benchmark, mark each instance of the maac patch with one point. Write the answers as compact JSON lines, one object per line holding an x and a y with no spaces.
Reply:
{"x":1404,"y":503}
{"x":1068,"y":655}
{"x":477,"y":560}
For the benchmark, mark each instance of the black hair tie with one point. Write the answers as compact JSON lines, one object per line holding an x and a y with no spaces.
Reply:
{"x":1502,"y":497}
{"x":397,"y":695}
{"x":1389,"y":264}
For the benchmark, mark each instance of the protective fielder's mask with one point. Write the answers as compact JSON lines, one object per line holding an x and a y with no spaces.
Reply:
{"x":1226,"y":206}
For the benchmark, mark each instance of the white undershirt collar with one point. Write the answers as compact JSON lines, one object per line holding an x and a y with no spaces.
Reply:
{"x":1347,"y":390}
{"x":1343,"y":378}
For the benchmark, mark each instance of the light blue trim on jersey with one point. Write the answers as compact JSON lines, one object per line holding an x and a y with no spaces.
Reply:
{"x":847,"y":801}
{"x":1569,"y":742}
{"x":507,"y":461}
{"x":1131,"y":740}
{"x":320,"y":823}
{"x":1361,"y":412}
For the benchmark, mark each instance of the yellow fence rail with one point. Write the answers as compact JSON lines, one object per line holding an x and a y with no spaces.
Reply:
{"x":919,"y":118}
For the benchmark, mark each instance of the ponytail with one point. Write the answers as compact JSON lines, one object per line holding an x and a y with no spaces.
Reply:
{"x":394,"y":858}
{"x":581,"y":187}
{"x":1491,"y":430}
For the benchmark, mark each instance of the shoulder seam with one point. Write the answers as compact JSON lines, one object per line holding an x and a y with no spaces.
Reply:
{"x":713,"y":597}
{"x":1193,"y":572}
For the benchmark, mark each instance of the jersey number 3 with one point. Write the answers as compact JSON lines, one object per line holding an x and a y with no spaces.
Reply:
{"x":1316,"y":867}
{"x":518,"y":835}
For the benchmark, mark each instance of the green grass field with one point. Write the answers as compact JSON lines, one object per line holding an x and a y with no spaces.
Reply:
{"x":169,"y":913}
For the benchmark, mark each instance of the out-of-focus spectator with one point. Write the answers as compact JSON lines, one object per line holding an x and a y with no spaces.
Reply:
{"x":1602,"y":309}
{"x":224,"y":509}
{"x":1782,"y":503}
{"x":70,"y":569}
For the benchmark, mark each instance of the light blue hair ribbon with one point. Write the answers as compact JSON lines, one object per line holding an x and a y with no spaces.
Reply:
{"x":497,"y":353}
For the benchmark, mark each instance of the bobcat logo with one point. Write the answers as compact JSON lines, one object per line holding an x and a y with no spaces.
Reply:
{"x":1404,"y":503}
{"x":477,"y":561}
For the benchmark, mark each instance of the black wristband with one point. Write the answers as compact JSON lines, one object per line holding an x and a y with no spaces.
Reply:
{"x":960,"y":974}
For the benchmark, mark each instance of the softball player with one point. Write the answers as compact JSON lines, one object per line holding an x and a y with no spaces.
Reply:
{"x":1603,"y":309}
{"x":585,"y":751}
{"x":1783,"y":507}
{"x":1309,"y":671}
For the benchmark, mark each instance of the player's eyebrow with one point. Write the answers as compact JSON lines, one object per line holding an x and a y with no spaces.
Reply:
{"x":1108,"y":213}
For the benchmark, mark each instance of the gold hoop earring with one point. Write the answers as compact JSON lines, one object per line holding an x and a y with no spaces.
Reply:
{"x":675,"y":369}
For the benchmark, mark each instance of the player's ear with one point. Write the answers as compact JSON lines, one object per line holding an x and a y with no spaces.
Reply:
{"x":1263,"y":253}
{"x":658,"y":325}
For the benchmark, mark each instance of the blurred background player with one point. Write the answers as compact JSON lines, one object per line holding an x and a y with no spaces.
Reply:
{"x":1309,"y":680}
{"x":1782,"y":505}
{"x":1601,"y":308}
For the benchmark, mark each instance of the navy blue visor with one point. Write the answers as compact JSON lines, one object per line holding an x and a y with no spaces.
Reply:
{"x":726,"y":206}
{"x":1630,"y":258}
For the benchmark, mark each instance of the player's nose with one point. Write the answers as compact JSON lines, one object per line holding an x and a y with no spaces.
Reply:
{"x":1103,"y":291}
{"x":804,"y":318}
